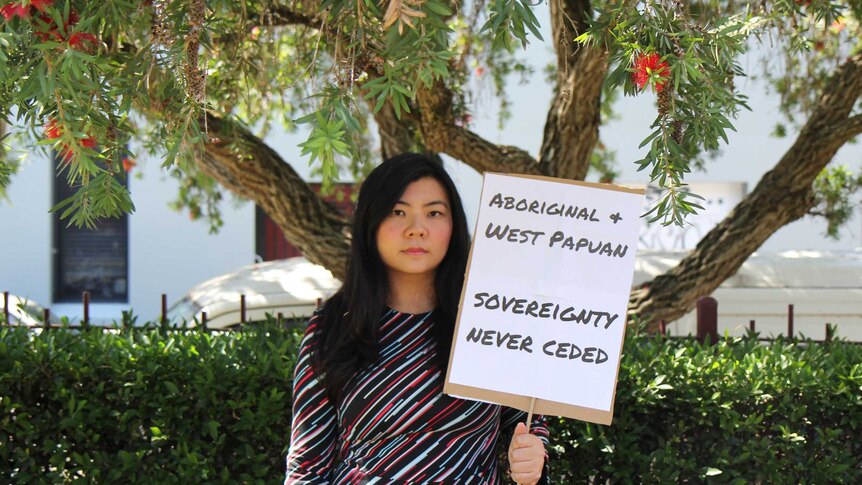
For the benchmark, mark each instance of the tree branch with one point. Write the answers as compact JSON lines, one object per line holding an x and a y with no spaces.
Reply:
{"x":281,"y":15}
{"x":847,"y":130}
{"x":245,"y":165}
{"x":783,"y":195}
{"x":441,"y":134}
{"x":568,"y":19}
{"x":572,"y":124}
{"x":396,"y":135}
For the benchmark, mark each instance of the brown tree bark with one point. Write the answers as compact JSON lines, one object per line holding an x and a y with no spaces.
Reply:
{"x":396,"y":135}
{"x":783,"y":195}
{"x":572,"y":125}
{"x":245,"y":165}
{"x":442,"y":134}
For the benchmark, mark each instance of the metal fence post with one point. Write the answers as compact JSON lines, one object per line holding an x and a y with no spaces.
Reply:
{"x":46,"y":315}
{"x":85,"y":296}
{"x":164,"y":309}
{"x":707,"y":319}
{"x":790,"y":320}
{"x":242,"y":308}
{"x":6,"y":307}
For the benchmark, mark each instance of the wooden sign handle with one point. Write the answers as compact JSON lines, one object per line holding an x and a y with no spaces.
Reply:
{"x":530,"y":413}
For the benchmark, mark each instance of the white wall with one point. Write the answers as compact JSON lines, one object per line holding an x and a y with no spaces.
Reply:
{"x":25,"y":248}
{"x":168,"y":253}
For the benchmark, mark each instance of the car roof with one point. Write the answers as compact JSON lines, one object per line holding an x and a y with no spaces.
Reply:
{"x":28,"y":315}
{"x":288,"y":282}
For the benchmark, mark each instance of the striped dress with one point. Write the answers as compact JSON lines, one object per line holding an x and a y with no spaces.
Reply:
{"x":394,"y":425}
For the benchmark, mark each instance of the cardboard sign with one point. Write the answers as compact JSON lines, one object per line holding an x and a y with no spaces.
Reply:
{"x":543,"y":309}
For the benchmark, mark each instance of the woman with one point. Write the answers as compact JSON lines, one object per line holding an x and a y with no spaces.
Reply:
{"x":368,"y":404}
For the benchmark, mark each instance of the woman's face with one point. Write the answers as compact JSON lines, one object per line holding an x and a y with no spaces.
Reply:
{"x":414,"y":238}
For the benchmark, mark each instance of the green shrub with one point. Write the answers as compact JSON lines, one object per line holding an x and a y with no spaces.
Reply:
{"x":737,"y":412}
{"x":160,"y":406}
{"x":145,"y":406}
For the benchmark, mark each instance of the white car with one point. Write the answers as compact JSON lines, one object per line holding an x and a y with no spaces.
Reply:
{"x":22,"y":311}
{"x":290,"y":286}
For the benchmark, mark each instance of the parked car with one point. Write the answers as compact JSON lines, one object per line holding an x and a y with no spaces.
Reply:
{"x":290,"y":286}
{"x":22,"y":311}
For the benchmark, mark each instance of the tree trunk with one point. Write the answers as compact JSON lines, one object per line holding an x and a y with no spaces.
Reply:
{"x":572,"y":125}
{"x":783,"y":195}
{"x":246,"y":166}
{"x":395,"y":134}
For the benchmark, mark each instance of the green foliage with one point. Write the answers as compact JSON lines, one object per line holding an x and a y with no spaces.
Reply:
{"x":694,"y":81}
{"x":198,"y":193}
{"x":151,"y":406}
{"x":817,"y":37}
{"x":167,"y":406}
{"x":833,"y":190}
{"x":700,"y":44}
{"x":6,"y":168}
{"x":511,"y":20}
{"x":737,"y":412}
{"x":101,"y":73}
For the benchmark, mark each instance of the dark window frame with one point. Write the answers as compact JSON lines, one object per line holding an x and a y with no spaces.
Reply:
{"x":57,"y":250}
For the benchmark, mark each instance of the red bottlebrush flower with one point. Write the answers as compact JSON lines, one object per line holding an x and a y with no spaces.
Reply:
{"x":11,"y":10}
{"x":129,"y":164}
{"x":52,"y":131}
{"x":88,"y":142}
{"x":648,"y":65}
{"x":47,"y":29}
{"x":51,"y":35}
{"x":78,"y":40}
{"x":41,"y":5}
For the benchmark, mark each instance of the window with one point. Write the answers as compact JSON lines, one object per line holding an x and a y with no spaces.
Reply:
{"x":94,"y":260}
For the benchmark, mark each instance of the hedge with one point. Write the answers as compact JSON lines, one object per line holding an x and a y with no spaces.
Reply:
{"x":149,"y":406}
{"x":161,"y":406}
{"x":737,"y":412}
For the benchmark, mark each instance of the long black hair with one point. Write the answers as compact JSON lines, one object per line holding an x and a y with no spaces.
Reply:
{"x":350,"y":318}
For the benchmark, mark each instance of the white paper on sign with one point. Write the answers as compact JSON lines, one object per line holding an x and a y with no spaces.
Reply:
{"x":544,"y":304}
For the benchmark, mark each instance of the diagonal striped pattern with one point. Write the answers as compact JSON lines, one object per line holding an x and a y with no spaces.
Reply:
{"x":394,"y":425}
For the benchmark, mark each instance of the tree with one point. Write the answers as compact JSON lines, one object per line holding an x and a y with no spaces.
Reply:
{"x":189,"y":79}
